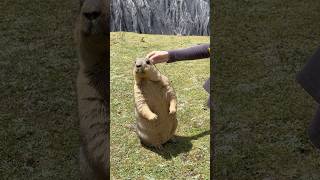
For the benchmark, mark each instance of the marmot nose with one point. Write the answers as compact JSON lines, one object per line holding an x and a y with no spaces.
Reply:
{"x":138,"y":66}
{"x":92,"y":15}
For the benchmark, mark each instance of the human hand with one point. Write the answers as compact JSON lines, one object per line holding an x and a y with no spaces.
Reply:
{"x":158,"y":56}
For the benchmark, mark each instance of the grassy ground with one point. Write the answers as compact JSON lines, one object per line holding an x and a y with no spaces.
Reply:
{"x":189,"y":157}
{"x":38,"y":120}
{"x":262,"y":113}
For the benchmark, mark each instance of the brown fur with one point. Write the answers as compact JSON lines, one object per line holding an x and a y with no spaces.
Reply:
{"x":91,"y":35}
{"x":155,"y":105}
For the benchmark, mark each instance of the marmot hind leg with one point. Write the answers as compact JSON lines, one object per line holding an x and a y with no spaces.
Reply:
{"x":173,"y":140}
{"x":145,"y":144}
{"x":157,"y":147}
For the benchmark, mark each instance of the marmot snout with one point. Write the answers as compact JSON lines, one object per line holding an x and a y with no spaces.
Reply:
{"x":143,"y":68}
{"x":142,"y":64}
{"x":94,"y":18}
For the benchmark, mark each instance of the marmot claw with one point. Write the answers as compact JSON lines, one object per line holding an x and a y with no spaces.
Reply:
{"x":153,"y":117}
{"x":172,"y":111}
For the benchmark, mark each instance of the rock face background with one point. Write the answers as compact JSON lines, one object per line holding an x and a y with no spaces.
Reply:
{"x":184,"y":17}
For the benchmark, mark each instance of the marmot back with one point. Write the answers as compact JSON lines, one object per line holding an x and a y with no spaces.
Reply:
{"x":155,"y":104}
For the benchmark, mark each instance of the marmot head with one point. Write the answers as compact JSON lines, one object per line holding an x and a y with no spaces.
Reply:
{"x":94,"y":17}
{"x":144,"y":69}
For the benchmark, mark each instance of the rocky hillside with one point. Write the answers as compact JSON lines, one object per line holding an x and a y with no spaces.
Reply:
{"x":184,"y":17}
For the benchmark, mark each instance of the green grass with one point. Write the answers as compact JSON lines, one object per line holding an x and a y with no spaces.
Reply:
{"x":189,"y":157}
{"x":261,"y":112}
{"x":38,"y":120}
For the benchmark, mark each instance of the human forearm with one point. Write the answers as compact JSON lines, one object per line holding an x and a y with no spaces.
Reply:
{"x":191,"y":53}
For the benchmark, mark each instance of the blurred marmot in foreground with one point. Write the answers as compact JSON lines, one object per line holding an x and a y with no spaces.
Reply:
{"x":91,"y":35}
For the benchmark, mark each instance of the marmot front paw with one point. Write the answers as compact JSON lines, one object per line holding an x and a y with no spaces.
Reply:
{"x":153,"y":117}
{"x":172,"y":111}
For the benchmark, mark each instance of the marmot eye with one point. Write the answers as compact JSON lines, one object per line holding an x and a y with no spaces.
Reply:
{"x":148,"y":62}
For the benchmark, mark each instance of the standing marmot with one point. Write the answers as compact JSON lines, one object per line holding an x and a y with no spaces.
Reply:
{"x":155,"y":104}
{"x":91,"y":35}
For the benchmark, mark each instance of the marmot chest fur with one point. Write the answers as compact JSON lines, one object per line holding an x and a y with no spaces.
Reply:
{"x":155,"y":104}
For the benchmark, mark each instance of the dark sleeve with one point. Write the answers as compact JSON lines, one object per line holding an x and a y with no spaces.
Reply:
{"x":309,"y":77}
{"x":191,"y":53}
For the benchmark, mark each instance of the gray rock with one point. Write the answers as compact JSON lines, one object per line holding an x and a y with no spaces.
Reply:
{"x":183,"y":17}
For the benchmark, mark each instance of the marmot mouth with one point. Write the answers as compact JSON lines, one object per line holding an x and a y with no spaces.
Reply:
{"x":139,"y":71}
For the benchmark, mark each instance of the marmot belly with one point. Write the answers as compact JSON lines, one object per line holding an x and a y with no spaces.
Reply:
{"x":156,"y":132}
